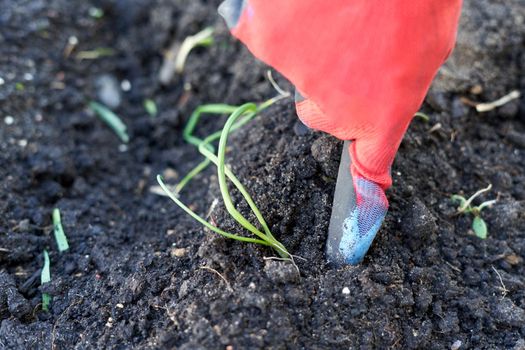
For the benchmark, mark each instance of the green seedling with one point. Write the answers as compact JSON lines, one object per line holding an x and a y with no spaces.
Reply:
{"x":238,"y":117}
{"x":423,"y":116}
{"x":97,"y":53}
{"x":96,"y":12}
{"x":217,"y":109}
{"x":465,"y":207}
{"x":45,"y":277}
{"x":110,"y":119}
{"x":60,"y":236}
{"x":151,"y":107}
{"x":202,"y":38}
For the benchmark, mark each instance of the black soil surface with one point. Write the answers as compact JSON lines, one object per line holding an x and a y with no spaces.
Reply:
{"x":133,"y":276}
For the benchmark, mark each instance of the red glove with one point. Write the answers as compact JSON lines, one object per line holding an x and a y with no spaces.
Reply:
{"x":364,"y":66}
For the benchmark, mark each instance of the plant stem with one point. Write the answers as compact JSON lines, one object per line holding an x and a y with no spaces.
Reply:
{"x":204,"y":222}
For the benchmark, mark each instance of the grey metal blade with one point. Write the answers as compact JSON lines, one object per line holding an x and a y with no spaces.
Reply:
{"x":344,"y":202}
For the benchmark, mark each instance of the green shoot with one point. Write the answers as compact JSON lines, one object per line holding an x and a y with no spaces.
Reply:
{"x":151,"y":107}
{"x":95,"y":54}
{"x":60,"y":236}
{"x":111,"y":119}
{"x":423,"y":116}
{"x":96,"y":12}
{"x":193,"y":140}
{"x":45,"y":277}
{"x":20,"y":86}
{"x":202,"y":38}
{"x":465,"y":207}
{"x":201,"y":220}
{"x":215,"y":109}
{"x":246,"y":112}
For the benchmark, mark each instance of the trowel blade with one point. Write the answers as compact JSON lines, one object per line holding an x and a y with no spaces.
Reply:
{"x":344,"y":200}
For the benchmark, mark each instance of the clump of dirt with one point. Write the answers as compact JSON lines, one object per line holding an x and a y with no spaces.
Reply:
{"x":134,"y":276}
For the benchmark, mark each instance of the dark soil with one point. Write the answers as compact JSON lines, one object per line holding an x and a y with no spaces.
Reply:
{"x":133,"y":278}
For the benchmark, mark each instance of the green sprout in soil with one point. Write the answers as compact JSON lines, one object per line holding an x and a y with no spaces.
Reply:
{"x":239,"y":116}
{"x":96,"y":12}
{"x":202,"y":38}
{"x":466,"y":207}
{"x":218,"y":109}
{"x":111,"y":119}
{"x":94,"y":54}
{"x":151,"y":107}
{"x":45,"y":277}
{"x":423,"y":116}
{"x":60,"y":236}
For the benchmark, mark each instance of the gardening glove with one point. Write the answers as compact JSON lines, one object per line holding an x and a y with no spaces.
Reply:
{"x":362,"y":69}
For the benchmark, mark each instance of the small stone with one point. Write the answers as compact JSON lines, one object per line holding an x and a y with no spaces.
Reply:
{"x":476,"y":89}
{"x":456,"y":345}
{"x":72,"y":40}
{"x":125,"y":85}
{"x":120,"y":306}
{"x":346,"y":291}
{"x":178,"y":252}
{"x":108,"y":91}
{"x":122,"y":148}
{"x":170,"y":174}
{"x":513,"y":259}
{"x":22,"y":143}
{"x":9,"y":120}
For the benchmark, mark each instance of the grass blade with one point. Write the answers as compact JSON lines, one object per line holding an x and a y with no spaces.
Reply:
{"x":205,"y":223}
{"x":202,"y":38}
{"x":45,"y":277}
{"x":111,"y":119}
{"x":60,"y":236}
{"x":223,"y":172}
{"x":151,"y":107}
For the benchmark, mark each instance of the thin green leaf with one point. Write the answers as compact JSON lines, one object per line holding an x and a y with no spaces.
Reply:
{"x":111,"y":119}
{"x":214,"y":109}
{"x":150,"y":107}
{"x":96,"y":12}
{"x":60,"y":236}
{"x":480,"y":227}
{"x":205,"y":223}
{"x":45,"y":277}
{"x":423,"y":116}
{"x":459,"y":199}
{"x":486,"y":204}
{"x":99,"y":52}
{"x":191,"y":139}
{"x":202,"y":38}
{"x":221,"y":172}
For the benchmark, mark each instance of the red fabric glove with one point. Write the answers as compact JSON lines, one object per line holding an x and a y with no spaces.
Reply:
{"x":363,"y":66}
